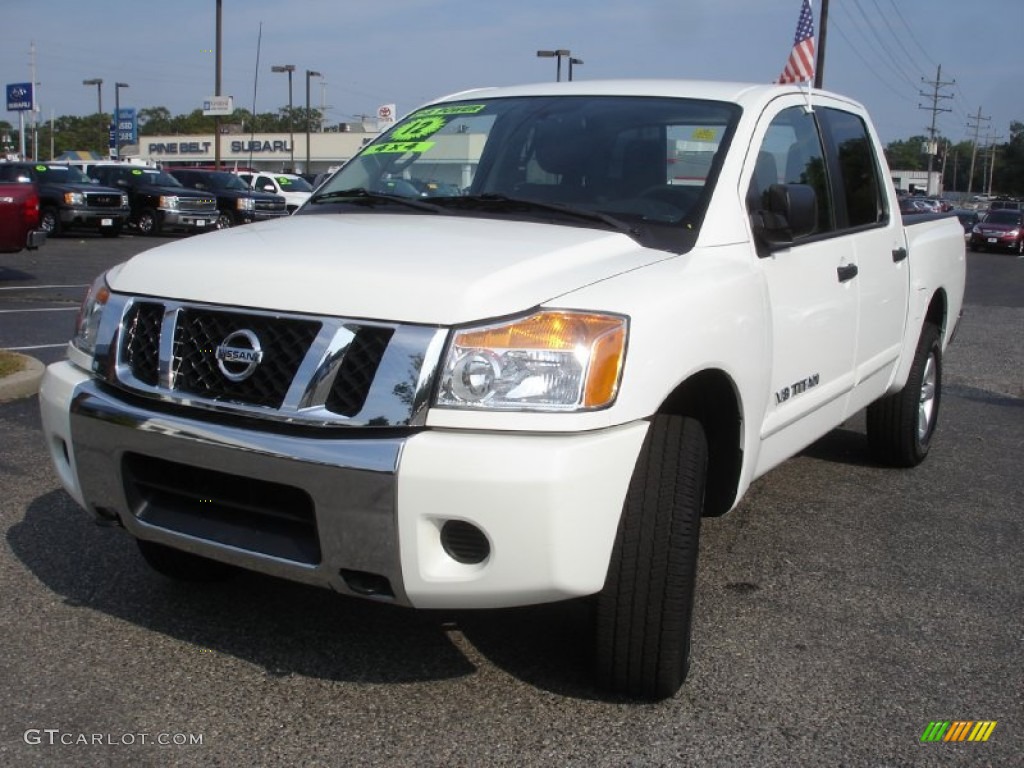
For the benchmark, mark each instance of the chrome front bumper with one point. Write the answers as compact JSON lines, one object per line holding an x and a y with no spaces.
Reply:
{"x":319,"y":511}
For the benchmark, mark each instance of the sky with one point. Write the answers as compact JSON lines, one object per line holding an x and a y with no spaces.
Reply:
{"x":884,"y":53}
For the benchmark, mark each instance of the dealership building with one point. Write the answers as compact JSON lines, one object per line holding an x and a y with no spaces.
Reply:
{"x":266,"y":151}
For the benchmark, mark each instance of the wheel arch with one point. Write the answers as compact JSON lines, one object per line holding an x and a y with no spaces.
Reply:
{"x":711,"y":397}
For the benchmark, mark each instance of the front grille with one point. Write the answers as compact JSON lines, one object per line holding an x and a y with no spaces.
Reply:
{"x":284,"y":342}
{"x":357,"y":371}
{"x":201,"y":204}
{"x":95,"y":200}
{"x":140,"y":344}
{"x":242,"y":512}
{"x":270,"y":205}
{"x":302,"y":369}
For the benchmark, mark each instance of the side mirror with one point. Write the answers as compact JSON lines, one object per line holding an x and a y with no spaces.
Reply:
{"x":789,"y":211}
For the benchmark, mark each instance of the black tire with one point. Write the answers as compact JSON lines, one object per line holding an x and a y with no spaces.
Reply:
{"x":182,"y":566}
{"x":644,"y":613}
{"x":149,"y":223}
{"x":900,"y":426}
{"x":49,"y":221}
{"x":224,"y":220}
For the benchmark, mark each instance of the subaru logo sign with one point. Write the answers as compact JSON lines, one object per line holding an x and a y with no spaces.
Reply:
{"x":239,"y":355}
{"x":19,"y":97}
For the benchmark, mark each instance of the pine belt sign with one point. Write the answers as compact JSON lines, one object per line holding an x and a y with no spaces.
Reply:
{"x":19,"y":97}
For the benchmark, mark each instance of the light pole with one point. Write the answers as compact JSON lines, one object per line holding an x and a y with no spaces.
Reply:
{"x":98,"y":82}
{"x":289,"y":68}
{"x":309,"y":73}
{"x":117,"y":119}
{"x":571,"y":62}
{"x":556,"y":54}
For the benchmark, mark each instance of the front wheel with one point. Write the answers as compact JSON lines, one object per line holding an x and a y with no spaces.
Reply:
{"x":644,"y":613}
{"x":900,"y":426}
{"x":149,"y":223}
{"x":49,"y":221}
{"x":224,"y":220}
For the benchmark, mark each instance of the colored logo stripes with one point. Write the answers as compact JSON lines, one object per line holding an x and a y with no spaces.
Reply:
{"x":958,"y":730}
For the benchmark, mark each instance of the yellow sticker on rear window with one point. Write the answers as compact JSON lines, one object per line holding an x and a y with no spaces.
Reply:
{"x":703,"y":134}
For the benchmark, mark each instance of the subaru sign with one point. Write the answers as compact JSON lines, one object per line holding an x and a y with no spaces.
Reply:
{"x":19,"y":97}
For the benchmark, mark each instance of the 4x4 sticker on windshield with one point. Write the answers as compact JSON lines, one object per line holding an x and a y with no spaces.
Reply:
{"x":284,"y":181}
{"x":398,"y":147}
{"x":42,"y":168}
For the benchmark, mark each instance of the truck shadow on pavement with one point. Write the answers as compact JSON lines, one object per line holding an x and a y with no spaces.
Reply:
{"x":292,"y":629}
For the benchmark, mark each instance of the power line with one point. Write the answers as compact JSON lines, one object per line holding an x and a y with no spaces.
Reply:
{"x":935,"y":109}
{"x":910,"y":32}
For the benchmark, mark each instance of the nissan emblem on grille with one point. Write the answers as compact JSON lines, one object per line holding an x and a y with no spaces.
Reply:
{"x":238,"y":363}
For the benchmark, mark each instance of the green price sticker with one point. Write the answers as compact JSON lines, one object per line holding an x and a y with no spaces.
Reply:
{"x":398,"y":147}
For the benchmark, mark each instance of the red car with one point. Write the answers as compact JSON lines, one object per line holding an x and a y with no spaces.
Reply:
{"x":1000,"y":230}
{"x":19,"y":218}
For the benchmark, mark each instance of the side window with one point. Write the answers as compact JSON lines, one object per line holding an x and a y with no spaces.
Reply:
{"x":858,"y":167}
{"x":791,"y":153}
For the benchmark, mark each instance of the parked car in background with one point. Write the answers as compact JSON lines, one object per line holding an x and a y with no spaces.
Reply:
{"x":295,"y":189}
{"x":1000,"y":230}
{"x":1006,"y":205}
{"x":158,"y":201}
{"x":19,"y":217}
{"x":968,"y":219}
{"x":236,"y":202}
{"x":69,"y":199}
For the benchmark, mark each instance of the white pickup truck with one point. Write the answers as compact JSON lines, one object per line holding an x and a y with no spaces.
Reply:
{"x":513,"y":351}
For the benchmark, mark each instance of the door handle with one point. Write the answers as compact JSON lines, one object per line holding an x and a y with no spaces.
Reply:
{"x":846,"y":272}
{"x":899,"y":254}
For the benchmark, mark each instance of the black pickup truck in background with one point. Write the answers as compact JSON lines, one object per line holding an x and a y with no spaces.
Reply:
{"x":69,"y":199}
{"x":236,"y":203}
{"x":158,"y":201}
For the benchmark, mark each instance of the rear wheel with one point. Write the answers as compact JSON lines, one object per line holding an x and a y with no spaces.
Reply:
{"x":645,"y":610}
{"x":149,"y":222}
{"x":182,"y":566}
{"x":900,"y":426}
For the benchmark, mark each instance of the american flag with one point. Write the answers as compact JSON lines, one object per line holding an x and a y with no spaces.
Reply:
{"x":800,"y":66}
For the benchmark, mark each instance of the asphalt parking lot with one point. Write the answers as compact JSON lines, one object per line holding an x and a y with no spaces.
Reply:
{"x":841,"y":609}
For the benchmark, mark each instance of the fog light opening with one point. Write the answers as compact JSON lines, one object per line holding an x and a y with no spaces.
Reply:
{"x":464,"y":542}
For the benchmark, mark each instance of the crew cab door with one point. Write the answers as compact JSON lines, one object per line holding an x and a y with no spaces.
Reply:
{"x":864,"y":209}
{"x":812,"y":289}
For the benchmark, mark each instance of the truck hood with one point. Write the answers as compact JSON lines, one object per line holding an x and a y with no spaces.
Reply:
{"x":413,"y":268}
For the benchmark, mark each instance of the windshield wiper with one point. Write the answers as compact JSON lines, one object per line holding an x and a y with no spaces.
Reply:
{"x":363,"y":196}
{"x":495,"y":202}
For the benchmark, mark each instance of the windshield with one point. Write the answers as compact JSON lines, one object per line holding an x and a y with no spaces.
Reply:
{"x":61,"y":174}
{"x":1003,"y":217}
{"x":225,"y":180}
{"x":156,"y":178}
{"x":293,"y":184}
{"x":647,"y":161}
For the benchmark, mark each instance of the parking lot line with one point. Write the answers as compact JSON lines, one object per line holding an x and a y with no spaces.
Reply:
{"x":39,"y":287}
{"x":36,"y":309}
{"x":37,"y":346}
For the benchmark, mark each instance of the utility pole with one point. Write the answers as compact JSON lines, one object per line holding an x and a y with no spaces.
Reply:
{"x":978,"y":120}
{"x":819,"y":65}
{"x":216,"y":87}
{"x":990,"y":142}
{"x":934,"y":109}
{"x":35,"y":104}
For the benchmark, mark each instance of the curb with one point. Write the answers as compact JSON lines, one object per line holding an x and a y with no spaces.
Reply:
{"x":23,"y":383}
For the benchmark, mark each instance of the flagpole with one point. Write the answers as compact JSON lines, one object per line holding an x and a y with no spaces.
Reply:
{"x":819,"y":67}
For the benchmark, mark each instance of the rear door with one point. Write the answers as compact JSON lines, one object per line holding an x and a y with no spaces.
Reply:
{"x":864,"y":210}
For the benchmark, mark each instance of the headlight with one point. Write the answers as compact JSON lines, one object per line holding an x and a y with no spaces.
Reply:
{"x":549,"y":361}
{"x":74,"y":198}
{"x":1012,"y":233}
{"x":169,"y":201}
{"x":246,"y":204}
{"x":124,"y":201}
{"x":88,"y":323}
